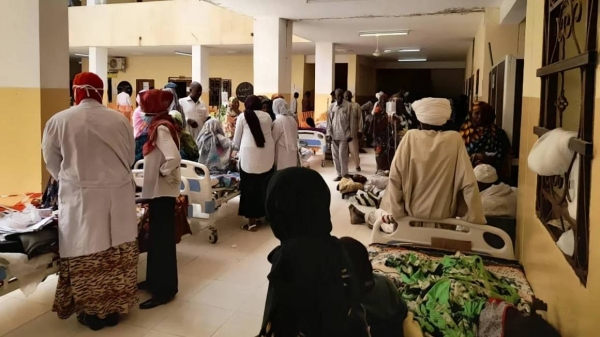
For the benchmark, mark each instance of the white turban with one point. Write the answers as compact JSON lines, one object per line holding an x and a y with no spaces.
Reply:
{"x":486,"y":174}
{"x":550,"y":154}
{"x":432,"y":111}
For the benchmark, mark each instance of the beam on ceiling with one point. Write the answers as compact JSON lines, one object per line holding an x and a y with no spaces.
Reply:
{"x":513,"y":11}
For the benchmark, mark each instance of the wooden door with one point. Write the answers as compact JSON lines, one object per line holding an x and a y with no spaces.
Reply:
{"x":143,"y":84}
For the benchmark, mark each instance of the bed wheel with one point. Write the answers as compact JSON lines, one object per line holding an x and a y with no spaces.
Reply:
{"x":213,"y":238}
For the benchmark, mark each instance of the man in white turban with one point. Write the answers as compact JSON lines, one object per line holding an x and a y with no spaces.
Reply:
{"x":431,"y":176}
{"x":497,"y":199}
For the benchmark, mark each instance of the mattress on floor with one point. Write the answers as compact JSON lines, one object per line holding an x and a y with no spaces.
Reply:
{"x":225,"y":180}
{"x":508,"y":272}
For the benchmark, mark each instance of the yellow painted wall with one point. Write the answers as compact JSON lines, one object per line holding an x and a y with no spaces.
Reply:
{"x":573,"y":309}
{"x":160,"y":23}
{"x":298,"y":73}
{"x":505,"y":40}
{"x":309,"y":78}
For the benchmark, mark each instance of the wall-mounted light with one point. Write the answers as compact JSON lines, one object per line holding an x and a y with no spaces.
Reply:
{"x":413,"y":60}
{"x":383,"y":33}
{"x":82,"y":55}
{"x":182,"y":53}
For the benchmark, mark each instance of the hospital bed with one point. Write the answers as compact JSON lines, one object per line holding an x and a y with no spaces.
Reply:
{"x":18,"y":272}
{"x":206,"y":193}
{"x":414,"y":240}
{"x":314,"y":140}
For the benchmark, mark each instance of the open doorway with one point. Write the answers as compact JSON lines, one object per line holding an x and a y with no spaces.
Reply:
{"x":341,"y":76}
{"x":183,"y":85}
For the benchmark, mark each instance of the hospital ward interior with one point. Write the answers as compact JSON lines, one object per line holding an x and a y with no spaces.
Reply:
{"x":286,"y":168}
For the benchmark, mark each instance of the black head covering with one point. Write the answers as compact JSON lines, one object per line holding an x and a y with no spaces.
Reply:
{"x":359,"y":256}
{"x":252,"y":104}
{"x":269,"y":104}
{"x":297,"y":204}
{"x":310,"y":289}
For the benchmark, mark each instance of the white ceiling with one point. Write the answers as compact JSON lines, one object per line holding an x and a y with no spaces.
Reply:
{"x":444,"y":29}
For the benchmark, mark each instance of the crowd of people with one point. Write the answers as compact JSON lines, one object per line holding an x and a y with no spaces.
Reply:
{"x":90,"y":150}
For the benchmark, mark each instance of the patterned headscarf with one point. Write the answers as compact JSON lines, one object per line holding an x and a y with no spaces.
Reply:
{"x":88,"y":85}
{"x":155,"y":103}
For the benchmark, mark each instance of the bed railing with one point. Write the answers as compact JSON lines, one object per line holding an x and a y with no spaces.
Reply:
{"x":423,"y":236}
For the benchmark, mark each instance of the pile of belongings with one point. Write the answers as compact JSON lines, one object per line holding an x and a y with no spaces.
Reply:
{"x":30,"y":225}
{"x":350,"y":185}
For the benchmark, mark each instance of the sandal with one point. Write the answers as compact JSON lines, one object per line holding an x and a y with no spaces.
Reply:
{"x":250,"y":227}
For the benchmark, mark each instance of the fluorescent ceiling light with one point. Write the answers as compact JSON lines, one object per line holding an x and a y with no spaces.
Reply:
{"x":413,"y":60}
{"x":383,"y":33}
{"x":182,"y":53}
{"x":402,"y":50}
{"x":82,"y":55}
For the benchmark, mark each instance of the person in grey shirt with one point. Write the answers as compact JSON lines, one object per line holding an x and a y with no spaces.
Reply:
{"x":339,"y":132}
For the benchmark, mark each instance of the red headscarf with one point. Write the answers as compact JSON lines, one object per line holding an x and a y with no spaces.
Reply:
{"x":88,"y":85}
{"x":156,"y":103}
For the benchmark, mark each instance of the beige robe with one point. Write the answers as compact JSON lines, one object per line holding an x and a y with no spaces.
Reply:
{"x":431,"y":177}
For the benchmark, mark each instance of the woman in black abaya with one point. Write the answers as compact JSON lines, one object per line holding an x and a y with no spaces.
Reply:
{"x":311,"y":291}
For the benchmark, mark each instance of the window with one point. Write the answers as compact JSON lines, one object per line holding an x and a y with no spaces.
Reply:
{"x":568,"y":76}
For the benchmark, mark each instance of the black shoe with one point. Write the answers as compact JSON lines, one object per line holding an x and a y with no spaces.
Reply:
{"x":154,"y":302}
{"x":362,"y":151}
{"x":112,"y":319}
{"x":91,"y":321}
{"x":358,"y":169}
{"x":339,"y":178}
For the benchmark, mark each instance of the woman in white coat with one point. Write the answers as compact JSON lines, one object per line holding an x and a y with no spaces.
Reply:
{"x":89,"y":149}
{"x":285,"y":135}
{"x":162,"y":178}
{"x":254,"y":140}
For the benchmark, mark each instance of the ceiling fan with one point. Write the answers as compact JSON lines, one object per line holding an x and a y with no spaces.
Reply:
{"x":377,"y":53}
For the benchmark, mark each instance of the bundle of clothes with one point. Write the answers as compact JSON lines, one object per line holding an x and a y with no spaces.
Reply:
{"x":27,"y":252}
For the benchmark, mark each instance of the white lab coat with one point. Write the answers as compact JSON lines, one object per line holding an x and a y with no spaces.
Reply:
{"x":285,"y":135}
{"x":90,"y":149}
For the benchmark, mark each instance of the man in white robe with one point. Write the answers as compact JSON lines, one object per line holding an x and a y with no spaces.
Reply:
{"x":356,"y":126}
{"x":431,"y":176}
{"x":194,"y":110}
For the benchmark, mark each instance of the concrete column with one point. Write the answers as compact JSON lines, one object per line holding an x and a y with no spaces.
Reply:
{"x":200,"y":56}
{"x":99,"y":65}
{"x":324,"y":77}
{"x":273,"y":57}
{"x":34,"y":85}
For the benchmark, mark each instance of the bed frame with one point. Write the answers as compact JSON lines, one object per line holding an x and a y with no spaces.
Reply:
{"x":204,"y":199}
{"x":424,"y":236}
{"x":314,"y":140}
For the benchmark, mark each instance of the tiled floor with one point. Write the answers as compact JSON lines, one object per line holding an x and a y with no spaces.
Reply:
{"x":222,"y":287}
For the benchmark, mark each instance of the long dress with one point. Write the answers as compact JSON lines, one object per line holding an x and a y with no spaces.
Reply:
{"x":383,"y":141}
{"x":89,"y":149}
{"x":285,"y":135}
